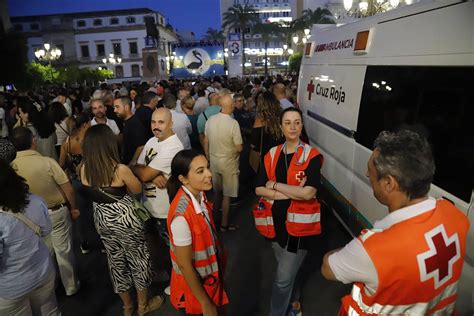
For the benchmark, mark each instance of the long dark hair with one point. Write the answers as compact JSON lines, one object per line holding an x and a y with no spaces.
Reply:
{"x":37,"y":116}
{"x":13,"y":189}
{"x":179,"y":167}
{"x":77,"y":121}
{"x":269,"y":110}
{"x":100,"y":155}
{"x":57,"y":112}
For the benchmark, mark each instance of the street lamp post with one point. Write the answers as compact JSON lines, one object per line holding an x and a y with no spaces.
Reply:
{"x":304,"y":38}
{"x":48,"y":54}
{"x":113,"y":60}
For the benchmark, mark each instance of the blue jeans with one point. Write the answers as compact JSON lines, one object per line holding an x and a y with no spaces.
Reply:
{"x":288,"y":264}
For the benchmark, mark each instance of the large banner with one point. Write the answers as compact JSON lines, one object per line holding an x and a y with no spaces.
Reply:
{"x":191,"y":60}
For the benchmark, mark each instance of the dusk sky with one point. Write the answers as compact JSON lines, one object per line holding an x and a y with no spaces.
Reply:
{"x":194,"y":15}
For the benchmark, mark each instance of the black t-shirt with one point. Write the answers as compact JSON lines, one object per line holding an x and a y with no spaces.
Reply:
{"x":110,"y":113}
{"x":280,"y":207}
{"x":266,"y":139}
{"x":144,"y":114}
{"x":133,"y":137}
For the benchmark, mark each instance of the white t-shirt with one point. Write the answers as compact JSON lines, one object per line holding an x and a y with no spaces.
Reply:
{"x":223,"y":133}
{"x":182,"y":127}
{"x":353,"y":264}
{"x":110,"y":123}
{"x":180,"y":227}
{"x":158,"y":155}
{"x":61,"y":132}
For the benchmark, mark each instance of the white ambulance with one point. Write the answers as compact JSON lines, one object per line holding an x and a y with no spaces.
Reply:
{"x":412,"y":67}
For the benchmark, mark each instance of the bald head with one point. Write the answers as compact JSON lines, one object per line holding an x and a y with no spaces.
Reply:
{"x":213,"y":99}
{"x":162,"y":123}
{"x":227,"y":103}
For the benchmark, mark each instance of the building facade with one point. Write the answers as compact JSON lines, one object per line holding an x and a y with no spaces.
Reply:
{"x":86,"y":39}
{"x":268,"y":11}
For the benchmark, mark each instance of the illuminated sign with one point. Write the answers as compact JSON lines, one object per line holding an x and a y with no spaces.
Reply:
{"x":261,"y":51}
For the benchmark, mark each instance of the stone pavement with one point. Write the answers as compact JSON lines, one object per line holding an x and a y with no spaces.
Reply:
{"x":249,"y":275}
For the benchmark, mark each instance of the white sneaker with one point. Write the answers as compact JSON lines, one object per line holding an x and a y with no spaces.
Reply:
{"x":168,"y":290}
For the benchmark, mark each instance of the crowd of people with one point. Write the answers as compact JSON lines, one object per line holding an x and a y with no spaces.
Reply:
{"x":137,"y":163}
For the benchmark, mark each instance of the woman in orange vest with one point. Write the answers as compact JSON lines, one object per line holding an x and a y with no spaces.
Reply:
{"x":289,"y":181}
{"x":196,"y":278}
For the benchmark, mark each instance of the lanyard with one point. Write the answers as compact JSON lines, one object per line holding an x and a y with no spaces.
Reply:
{"x":298,"y":162}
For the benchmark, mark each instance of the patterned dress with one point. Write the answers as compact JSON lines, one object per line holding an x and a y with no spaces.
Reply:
{"x":123,"y":236}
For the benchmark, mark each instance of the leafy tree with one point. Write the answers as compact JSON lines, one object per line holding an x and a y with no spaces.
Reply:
{"x":241,"y":17}
{"x":39,"y":74}
{"x":294,"y":63}
{"x":268,"y":31}
{"x":214,"y":35}
{"x":318,"y":16}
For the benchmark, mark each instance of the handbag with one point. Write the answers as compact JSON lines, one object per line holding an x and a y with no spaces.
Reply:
{"x":263,"y":217}
{"x":140,"y":210}
{"x":255,"y":157}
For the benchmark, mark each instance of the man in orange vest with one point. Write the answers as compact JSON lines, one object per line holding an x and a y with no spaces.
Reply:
{"x":411,"y":261}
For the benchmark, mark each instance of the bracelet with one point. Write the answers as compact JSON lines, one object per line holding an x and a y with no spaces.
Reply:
{"x":274,"y":185}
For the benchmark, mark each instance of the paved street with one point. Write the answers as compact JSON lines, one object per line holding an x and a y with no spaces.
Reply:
{"x":248,"y":277}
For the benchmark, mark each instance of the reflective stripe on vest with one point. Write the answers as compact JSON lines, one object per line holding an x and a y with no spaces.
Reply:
{"x":303,"y":218}
{"x":203,"y":271}
{"x":263,"y":221}
{"x":199,"y":256}
{"x":414,"y":309}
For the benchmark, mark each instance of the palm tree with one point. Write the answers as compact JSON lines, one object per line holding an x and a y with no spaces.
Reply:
{"x":318,"y":16}
{"x":214,"y":35}
{"x":241,"y":17}
{"x":268,"y":31}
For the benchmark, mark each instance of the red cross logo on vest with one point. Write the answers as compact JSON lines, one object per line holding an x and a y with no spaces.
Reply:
{"x":438,"y":261}
{"x":300,"y":176}
{"x":310,"y":89}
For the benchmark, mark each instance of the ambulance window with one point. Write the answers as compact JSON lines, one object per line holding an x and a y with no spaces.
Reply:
{"x":433,"y":101}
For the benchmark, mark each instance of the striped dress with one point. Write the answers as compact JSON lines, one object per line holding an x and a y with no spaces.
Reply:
{"x":123,"y":235}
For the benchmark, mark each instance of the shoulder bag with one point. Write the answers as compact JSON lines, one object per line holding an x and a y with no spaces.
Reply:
{"x":140,"y":210}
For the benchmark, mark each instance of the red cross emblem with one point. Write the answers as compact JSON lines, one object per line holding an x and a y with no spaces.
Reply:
{"x":438,"y":261}
{"x":300,"y":176}
{"x":310,"y":89}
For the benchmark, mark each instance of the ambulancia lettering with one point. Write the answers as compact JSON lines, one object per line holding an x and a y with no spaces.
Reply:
{"x":344,"y":44}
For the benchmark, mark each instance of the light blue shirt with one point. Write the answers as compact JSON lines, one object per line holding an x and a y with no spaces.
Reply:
{"x":201,"y":122}
{"x":25,"y":261}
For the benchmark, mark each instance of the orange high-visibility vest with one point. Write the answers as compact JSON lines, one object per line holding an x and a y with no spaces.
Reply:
{"x":303,"y":217}
{"x":204,"y":257}
{"x":418,"y":263}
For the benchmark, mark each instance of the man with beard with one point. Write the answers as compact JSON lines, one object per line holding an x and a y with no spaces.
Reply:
{"x":98,"y":110}
{"x":134,"y":136}
{"x":153,"y":168}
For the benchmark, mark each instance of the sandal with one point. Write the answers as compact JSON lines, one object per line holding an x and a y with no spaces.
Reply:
{"x":229,"y":228}
{"x":153,"y":304}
